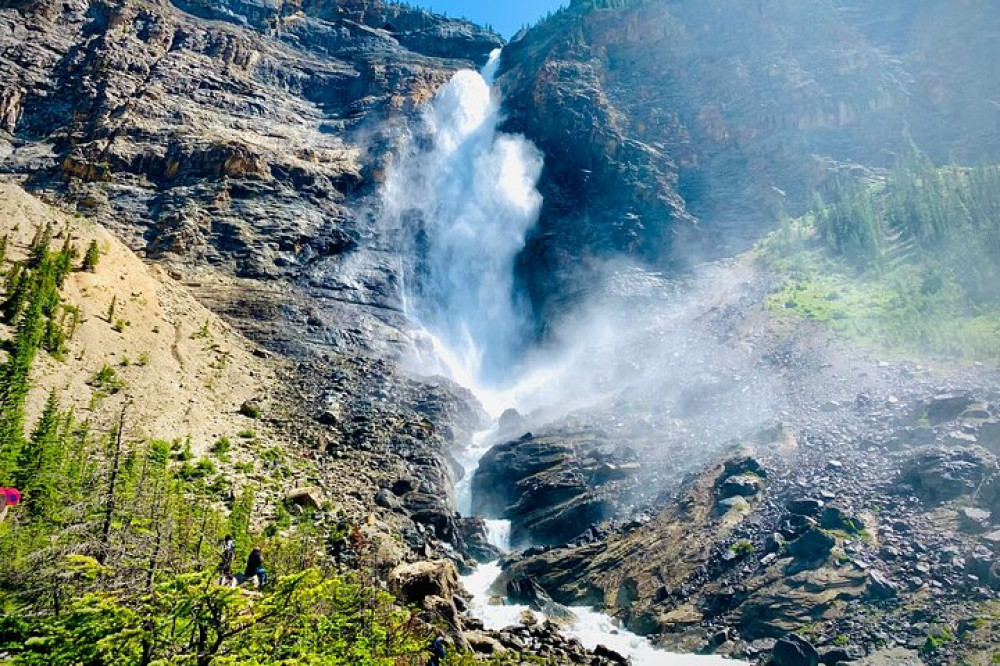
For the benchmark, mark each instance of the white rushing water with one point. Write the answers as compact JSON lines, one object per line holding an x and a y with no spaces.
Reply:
{"x":465,"y":192}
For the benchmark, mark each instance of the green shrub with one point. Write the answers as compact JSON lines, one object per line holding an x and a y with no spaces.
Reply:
{"x":91,"y":257}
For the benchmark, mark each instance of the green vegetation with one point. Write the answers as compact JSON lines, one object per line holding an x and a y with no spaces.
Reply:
{"x":111,"y":557}
{"x":911,"y":264}
{"x":91,"y":257}
{"x":251,"y":410}
{"x":106,"y":380}
{"x":32,"y":305}
{"x":936,"y":638}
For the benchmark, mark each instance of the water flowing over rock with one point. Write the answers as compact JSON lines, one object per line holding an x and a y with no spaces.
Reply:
{"x":464,"y":194}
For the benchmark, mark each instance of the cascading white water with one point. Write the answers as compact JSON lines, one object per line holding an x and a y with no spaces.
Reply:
{"x":465,"y":193}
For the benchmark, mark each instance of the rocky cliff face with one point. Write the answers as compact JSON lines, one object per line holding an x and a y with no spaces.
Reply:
{"x":234,"y":134}
{"x":662,"y":114}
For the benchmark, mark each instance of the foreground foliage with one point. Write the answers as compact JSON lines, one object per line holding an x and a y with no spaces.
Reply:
{"x":112,"y":557}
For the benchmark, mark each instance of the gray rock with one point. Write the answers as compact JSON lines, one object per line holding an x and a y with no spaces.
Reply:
{"x":805,"y":507}
{"x":880,"y":587}
{"x":387,"y":500}
{"x":940,"y":475}
{"x":744,"y":485}
{"x":891,"y":657}
{"x":831,"y":656}
{"x":794,"y":650}
{"x":815,"y":545}
{"x":838,"y":518}
{"x":306,"y":497}
{"x":973,"y":520}
{"x":946,"y":407}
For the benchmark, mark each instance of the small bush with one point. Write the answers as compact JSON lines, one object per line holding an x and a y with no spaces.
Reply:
{"x":106,"y":379}
{"x":222,"y":446}
{"x":250,"y":409}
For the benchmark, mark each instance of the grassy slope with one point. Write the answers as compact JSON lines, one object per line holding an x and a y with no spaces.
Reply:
{"x":907,"y":304}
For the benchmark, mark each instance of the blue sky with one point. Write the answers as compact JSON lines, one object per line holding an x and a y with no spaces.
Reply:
{"x":506,"y":16}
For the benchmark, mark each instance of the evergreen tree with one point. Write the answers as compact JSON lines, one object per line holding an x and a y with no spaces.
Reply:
{"x":39,"y":462}
{"x":18,"y":285}
{"x":92,"y":256}
{"x":39,"y":249}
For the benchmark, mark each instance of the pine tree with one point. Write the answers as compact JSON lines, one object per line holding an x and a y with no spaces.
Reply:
{"x":18,"y":287}
{"x":64,"y":259}
{"x":39,"y":463}
{"x":92,"y":257}
{"x":39,"y":249}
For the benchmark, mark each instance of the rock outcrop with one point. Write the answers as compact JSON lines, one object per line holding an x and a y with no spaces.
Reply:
{"x":553,"y":487}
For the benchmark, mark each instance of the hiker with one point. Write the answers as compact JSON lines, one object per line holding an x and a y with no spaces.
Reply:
{"x":338,"y":543}
{"x":437,"y":650}
{"x":226,"y":560}
{"x":255,"y":569}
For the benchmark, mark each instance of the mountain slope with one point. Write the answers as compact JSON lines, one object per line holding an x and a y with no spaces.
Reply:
{"x":658,"y":113}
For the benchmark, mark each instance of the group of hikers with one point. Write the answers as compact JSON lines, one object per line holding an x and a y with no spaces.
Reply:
{"x":254,"y":572}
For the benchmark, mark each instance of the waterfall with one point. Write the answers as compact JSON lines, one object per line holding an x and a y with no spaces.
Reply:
{"x":464,"y":193}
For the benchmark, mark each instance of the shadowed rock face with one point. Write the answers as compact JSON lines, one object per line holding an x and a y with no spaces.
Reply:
{"x":553,"y":487}
{"x":730,"y":112}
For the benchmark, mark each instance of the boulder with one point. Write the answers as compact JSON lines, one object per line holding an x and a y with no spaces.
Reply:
{"x":433,"y":511}
{"x":891,"y":657}
{"x":387,"y":500}
{"x":973,"y":520}
{"x":794,"y":525}
{"x":983,"y":566}
{"x":838,"y":518}
{"x":412,"y":583}
{"x":832,"y":656}
{"x":553,"y":486}
{"x":483,"y":643}
{"x":743,"y":465}
{"x":475,"y":541}
{"x":813,"y":546}
{"x":807,"y":506}
{"x":940,"y":475}
{"x":989,"y":436}
{"x":794,"y":650}
{"x":946,"y":407}
{"x":880,"y":587}
{"x":306,"y":497}
{"x":444,"y":611}
{"x":611,"y":656}
{"x":743,"y":485}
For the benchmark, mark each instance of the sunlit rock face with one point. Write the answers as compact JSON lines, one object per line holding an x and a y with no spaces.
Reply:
{"x":730,"y":113}
{"x":244,"y":141}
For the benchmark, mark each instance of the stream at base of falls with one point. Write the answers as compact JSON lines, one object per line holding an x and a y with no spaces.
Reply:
{"x":591,"y":628}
